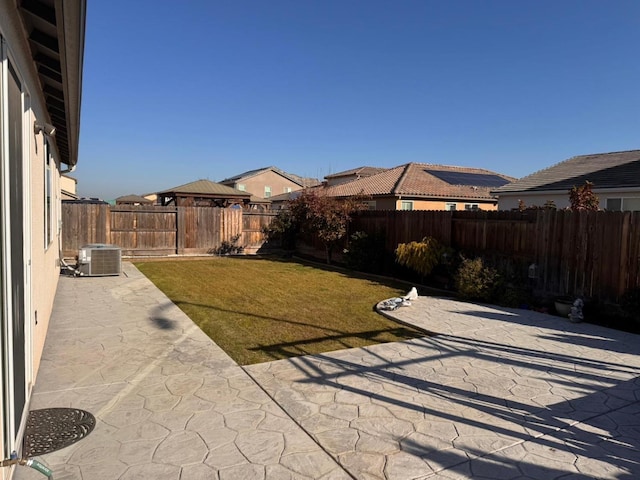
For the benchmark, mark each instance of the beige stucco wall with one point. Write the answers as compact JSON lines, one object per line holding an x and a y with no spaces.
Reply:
{"x":439,"y":204}
{"x":511,"y":201}
{"x":256,"y":184}
{"x":40,"y":264}
{"x":442,"y":204}
{"x":68,"y":187}
{"x":393,"y":203}
{"x":44,"y":259}
{"x":152,"y":196}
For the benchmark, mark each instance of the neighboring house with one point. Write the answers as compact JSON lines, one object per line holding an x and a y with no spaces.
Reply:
{"x":423,"y":186}
{"x":152,"y":197}
{"x":68,"y":188}
{"x":279,"y":202}
{"x":41,"y":57}
{"x":203,"y":193}
{"x":615,"y":177}
{"x":350,"y":175}
{"x":133,"y":200}
{"x":268,"y":182}
{"x":258,"y":204}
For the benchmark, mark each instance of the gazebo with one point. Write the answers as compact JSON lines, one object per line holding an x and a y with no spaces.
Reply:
{"x":133,"y":200}
{"x":203,"y":193}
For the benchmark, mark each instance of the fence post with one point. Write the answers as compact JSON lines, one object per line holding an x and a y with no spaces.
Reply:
{"x":180,"y":230}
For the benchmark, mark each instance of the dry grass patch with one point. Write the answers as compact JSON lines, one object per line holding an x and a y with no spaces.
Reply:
{"x":260,"y":310}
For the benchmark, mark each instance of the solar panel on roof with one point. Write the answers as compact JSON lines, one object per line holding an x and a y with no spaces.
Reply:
{"x":471,"y":179}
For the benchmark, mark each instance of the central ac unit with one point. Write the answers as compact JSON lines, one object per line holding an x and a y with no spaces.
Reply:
{"x":99,"y":259}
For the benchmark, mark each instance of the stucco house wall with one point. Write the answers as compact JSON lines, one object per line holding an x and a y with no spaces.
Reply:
{"x":419,"y":204}
{"x":68,"y":188}
{"x":258,"y":184}
{"x":630,"y":196}
{"x":512,"y":202}
{"x":29,"y":249}
{"x":394,"y":203}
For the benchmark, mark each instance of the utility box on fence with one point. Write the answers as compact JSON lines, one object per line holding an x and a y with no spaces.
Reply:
{"x":99,"y":259}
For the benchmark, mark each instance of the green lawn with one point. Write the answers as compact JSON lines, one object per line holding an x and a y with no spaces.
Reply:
{"x":259,"y":310}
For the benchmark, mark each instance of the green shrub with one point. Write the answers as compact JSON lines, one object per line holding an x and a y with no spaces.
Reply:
{"x":476,"y":281}
{"x":421,"y":257}
{"x":282,"y":229}
{"x":229,"y":247}
{"x":512,"y":296}
{"x":365,"y":252}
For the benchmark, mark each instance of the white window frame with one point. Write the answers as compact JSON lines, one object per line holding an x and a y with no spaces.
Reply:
{"x":406,"y":203}
{"x":242,"y":187}
{"x":7,"y":424}
{"x":471,"y":207}
{"x":48,"y":194}
{"x":450,"y":206}
{"x":267,"y":191}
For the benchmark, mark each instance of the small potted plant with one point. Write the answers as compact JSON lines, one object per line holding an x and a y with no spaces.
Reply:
{"x":563,"y":305}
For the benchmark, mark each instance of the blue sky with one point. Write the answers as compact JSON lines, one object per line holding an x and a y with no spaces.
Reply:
{"x":175,"y":91}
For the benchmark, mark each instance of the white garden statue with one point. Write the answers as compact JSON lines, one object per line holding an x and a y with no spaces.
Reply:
{"x":412,"y":295}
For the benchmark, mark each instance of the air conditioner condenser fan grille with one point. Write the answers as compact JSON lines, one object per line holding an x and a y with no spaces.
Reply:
{"x":99,"y":260}
{"x":105,"y":262}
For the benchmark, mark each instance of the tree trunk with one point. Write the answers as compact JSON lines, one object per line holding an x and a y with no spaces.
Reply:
{"x":328,"y":250}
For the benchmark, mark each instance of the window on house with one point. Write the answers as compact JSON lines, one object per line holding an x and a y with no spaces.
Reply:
{"x":287,"y":190}
{"x":471,"y":206}
{"x":450,"y":206}
{"x":267,"y":192}
{"x":405,"y":205}
{"x":614,"y":204}
{"x":624,"y":204}
{"x":242,"y":187}
{"x":631,"y":204}
{"x":370,"y":205}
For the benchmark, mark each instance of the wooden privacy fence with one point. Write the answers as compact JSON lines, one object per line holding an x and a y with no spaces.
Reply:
{"x":153,"y":230}
{"x":596,"y":254}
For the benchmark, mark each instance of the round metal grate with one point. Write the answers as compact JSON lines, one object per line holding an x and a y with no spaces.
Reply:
{"x":51,"y":429}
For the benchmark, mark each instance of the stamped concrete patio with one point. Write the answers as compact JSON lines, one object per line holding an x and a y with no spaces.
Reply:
{"x":493,"y":394}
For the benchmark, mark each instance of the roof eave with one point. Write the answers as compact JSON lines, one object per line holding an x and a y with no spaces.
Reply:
{"x":73,"y":34}
{"x":55,"y":34}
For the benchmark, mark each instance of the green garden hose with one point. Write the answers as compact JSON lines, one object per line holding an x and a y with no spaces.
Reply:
{"x":29,"y":462}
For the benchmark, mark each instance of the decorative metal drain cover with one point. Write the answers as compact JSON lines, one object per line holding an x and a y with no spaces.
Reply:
{"x":51,"y":429}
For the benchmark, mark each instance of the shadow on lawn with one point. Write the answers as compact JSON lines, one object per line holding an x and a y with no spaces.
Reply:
{"x":296,"y":348}
{"x":323,"y":335}
{"x":380,"y":279}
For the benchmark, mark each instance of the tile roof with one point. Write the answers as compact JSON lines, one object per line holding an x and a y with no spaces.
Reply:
{"x":361,"y":171}
{"x":604,"y":170}
{"x":283,"y":197}
{"x":302,"y":181}
{"x":414,"y":180}
{"x":206,"y":187}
